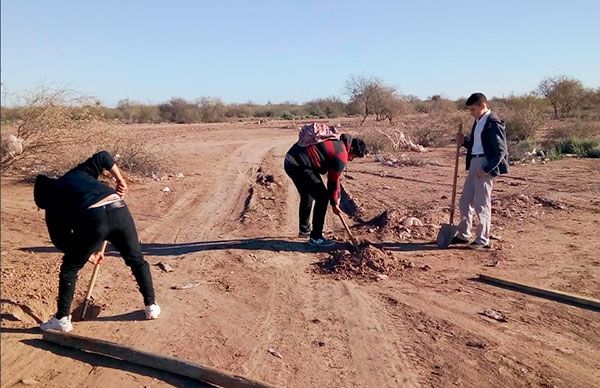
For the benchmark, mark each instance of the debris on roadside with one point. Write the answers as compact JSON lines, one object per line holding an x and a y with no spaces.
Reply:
{"x":185,"y":286}
{"x":275,"y":353}
{"x":166,"y":189}
{"x":166,"y":267}
{"x":476,"y":343}
{"x":493,"y":314}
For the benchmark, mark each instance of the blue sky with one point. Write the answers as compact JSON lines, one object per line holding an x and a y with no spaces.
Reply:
{"x":274,"y":51}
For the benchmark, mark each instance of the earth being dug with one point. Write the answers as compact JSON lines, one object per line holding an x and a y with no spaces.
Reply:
{"x":395,"y":224}
{"x":365,"y":262}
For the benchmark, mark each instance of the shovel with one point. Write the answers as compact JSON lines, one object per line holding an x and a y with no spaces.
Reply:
{"x":352,"y":238}
{"x":88,"y":295}
{"x":449,"y":231}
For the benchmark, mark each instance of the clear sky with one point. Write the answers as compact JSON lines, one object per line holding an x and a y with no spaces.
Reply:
{"x":282,"y":50}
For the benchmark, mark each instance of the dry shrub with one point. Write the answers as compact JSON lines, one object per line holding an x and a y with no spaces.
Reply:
{"x":137,"y":155}
{"x":525,"y":117}
{"x":574,"y":128}
{"x":55,"y":127}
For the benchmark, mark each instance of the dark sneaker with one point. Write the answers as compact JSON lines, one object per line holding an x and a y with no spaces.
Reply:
{"x":479,"y":247}
{"x":303,"y":234}
{"x":321,"y":242}
{"x":458,"y":240}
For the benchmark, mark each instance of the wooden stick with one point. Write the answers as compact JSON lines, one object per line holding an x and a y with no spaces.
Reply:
{"x":88,"y":295}
{"x":152,"y":360}
{"x":457,"y":157}
{"x":352,"y":238}
{"x":590,"y":303}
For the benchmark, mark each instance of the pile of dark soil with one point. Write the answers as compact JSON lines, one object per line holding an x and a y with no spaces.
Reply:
{"x":364,"y":262}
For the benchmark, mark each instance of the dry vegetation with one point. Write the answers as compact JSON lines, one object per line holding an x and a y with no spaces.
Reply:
{"x":51,"y":128}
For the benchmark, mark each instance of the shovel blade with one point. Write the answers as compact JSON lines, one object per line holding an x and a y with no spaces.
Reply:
{"x":91,"y":312}
{"x":446,"y":234}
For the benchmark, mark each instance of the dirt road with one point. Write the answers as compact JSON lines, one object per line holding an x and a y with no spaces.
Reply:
{"x":235,"y":235}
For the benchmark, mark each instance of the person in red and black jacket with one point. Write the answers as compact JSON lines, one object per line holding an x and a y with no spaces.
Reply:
{"x":304,"y":165}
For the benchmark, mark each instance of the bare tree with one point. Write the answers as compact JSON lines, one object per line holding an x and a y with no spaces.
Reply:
{"x":363,"y":91}
{"x":564,"y":93}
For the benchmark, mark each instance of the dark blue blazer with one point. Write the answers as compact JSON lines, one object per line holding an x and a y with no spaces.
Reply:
{"x":493,"y":139}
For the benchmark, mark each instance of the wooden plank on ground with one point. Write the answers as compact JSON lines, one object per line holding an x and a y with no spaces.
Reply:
{"x":582,"y":301}
{"x":152,"y":360}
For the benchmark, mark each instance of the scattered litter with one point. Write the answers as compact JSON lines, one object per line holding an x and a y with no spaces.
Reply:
{"x":412,"y":221}
{"x":566,"y":351}
{"x":493,"y":314}
{"x":179,"y":175}
{"x":29,"y":381}
{"x":475,"y":343}
{"x":185,"y":286}
{"x":493,"y":263}
{"x":275,"y":353}
{"x":166,"y":189}
{"x":165,"y":267}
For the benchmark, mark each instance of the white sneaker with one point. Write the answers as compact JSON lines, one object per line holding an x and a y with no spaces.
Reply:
{"x":152,"y":311}
{"x":63,"y":324}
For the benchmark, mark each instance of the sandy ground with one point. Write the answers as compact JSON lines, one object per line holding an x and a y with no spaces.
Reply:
{"x":236,"y":236}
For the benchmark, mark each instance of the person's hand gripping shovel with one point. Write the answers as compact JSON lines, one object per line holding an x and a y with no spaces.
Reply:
{"x":448,"y":231}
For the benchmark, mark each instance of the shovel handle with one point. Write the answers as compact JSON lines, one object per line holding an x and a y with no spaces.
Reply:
{"x":354,"y":242}
{"x":88,"y":295}
{"x":457,"y":157}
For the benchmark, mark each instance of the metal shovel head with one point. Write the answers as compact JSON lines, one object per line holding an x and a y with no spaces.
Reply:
{"x":91,"y":311}
{"x":446,"y":234}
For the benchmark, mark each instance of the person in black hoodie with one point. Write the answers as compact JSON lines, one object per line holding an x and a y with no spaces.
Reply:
{"x":487,"y":157}
{"x":81,"y":213}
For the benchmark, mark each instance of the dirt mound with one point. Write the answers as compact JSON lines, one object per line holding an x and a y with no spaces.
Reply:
{"x":365,"y":262}
{"x":521,"y":206}
{"x":403,"y":225}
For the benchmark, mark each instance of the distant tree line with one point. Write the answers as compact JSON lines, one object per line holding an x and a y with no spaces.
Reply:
{"x":369,"y":96}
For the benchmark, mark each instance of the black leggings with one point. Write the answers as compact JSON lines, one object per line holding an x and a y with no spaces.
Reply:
{"x":96,"y":225}
{"x":311,"y":189}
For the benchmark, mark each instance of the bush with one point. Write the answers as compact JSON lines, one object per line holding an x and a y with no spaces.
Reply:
{"x":524,"y":118}
{"x":55,"y":127}
{"x":377,"y":142}
{"x":137,"y":155}
{"x":519,"y":150}
{"x":585,"y":148}
{"x":576,"y":129}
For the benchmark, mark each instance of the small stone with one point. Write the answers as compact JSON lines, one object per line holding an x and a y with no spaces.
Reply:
{"x":166,"y":189}
{"x":475,"y":343}
{"x":382,"y":277}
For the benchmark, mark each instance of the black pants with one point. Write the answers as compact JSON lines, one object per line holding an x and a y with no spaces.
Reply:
{"x":312,"y":190}
{"x":96,"y":225}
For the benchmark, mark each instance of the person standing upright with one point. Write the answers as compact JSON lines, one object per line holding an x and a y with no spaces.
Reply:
{"x":487,"y":157}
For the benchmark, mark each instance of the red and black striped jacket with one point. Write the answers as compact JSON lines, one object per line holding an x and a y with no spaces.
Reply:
{"x":329,"y":157}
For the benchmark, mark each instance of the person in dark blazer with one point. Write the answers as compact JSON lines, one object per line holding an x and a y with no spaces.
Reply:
{"x":487,"y":157}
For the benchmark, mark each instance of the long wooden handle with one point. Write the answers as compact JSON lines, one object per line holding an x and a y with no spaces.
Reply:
{"x":88,"y":295}
{"x":348,"y":229}
{"x":457,"y":157}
